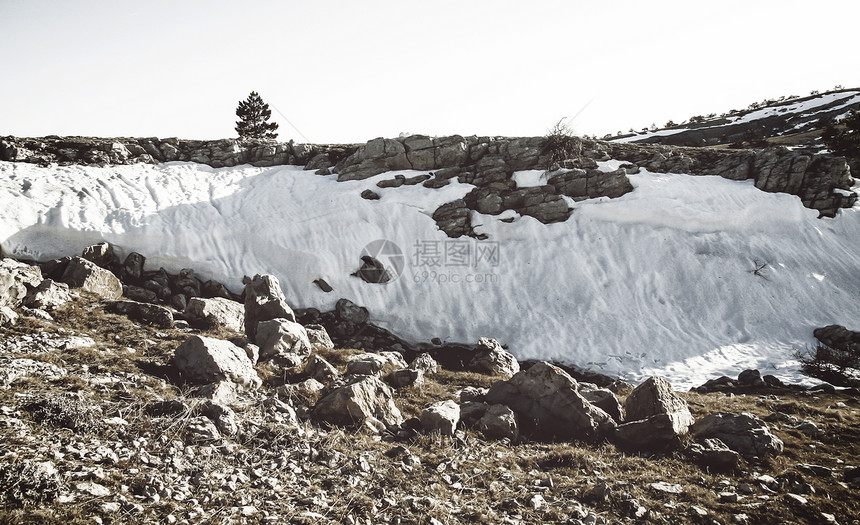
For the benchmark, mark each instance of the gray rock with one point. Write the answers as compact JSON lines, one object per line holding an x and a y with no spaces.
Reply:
{"x":346,"y":310}
{"x":746,"y":434}
{"x":603,"y":399}
{"x":370,"y":195}
{"x":144,"y":312}
{"x":100,"y":254}
{"x":201,"y":429}
{"x":441,"y":418}
{"x":655,"y":396}
{"x":320,"y":369}
{"x":471,"y":393}
{"x":365,"y":400}
{"x":491,"y":358}
{"x":282,"y":336}
{"x":547,"y":396}
{"x":374,"y":363}
{"x":8,"y":316}
{"x":318,"y":336}
{"x":141,"y":295}
{"x":406,"y":377}
{"x":424,"y":363}
{"x":132,"y":267}
{"x":750,"y":378}
{"x":16,"y":279}
{"x":48,"y":295}
{"x":499,"y":422}
{"x":13,"y":369}
{"x":377,"y":156}
{"x":264,"y":300}
{"x":84,"y":274}
{"x":205,"y":360}
{"x":713,"y":454}
{"x":217,"y":312}
{"x":305,"y":392}
{"x":654,"y":433}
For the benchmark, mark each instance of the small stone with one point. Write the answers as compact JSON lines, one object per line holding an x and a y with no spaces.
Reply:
{"x":669,"y":488}
{"x":729,"y":497}
{"x":796,"y":498}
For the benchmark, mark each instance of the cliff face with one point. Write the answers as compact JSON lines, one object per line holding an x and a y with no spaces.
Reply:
{"x":823,"y":182}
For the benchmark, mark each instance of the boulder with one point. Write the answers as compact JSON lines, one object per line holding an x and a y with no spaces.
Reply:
{"x":264,"y":300}
{"x":604,"y":399}
{"x":306,"y":392}
{"x":499,"y":422}
{"x":655,"y":396}
{"x":143,"y":312}
{"x":750,"y":378}
{"x":318,"y":336}
{"x":377,"y":156}
{"x":141,"y":295}
{"x":374,"y":363}
{"x":744,"y":433}
{"x":320,"y":369}
{"x":365,"y":400}
{"x":217,"y":312}
{"x":100,"y":254}
{"x":441,"y":418}
{"x":838,"y":337}
{"x":714,"y":455}
{"x":8,"y":316}
{"x":491,"y":358}
{"x":282,"y":336}
{"x":547,"y":396}
{"x":48,"y":295}
{"x":406,"y":377}
{"x":657,"y":432}
{"x":425,"y":364}
{"x":205,"y":360}
{"x":132,"y":267}
{"x":346,"y":310}
{"x":16,"y":279}
{"x":86,"y":275}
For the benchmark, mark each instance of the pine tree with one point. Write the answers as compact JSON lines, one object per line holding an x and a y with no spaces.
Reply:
{"x":254,"y":115}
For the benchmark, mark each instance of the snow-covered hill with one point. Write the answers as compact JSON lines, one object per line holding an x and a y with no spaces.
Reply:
{"x":658,"y":281}
{"x":775,"y":119}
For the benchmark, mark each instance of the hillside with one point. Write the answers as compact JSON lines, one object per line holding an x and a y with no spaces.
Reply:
{"x":788,"y":121}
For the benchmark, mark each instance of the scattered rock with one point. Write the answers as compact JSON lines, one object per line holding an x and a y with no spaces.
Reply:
{"x":83,"y":274}
{"x":282,"y":336}
{"x":547,"y":397}
{"x":217,"y":311}
{"x":143,"y":312}
{"x":206,"y":360}
{"x":264,"y":301}
{"x":491,"y":358}
{"x":320,"y":369}
{"x":361,"y":399}
{"x":744,"y":433}
{"x":441,"y":417}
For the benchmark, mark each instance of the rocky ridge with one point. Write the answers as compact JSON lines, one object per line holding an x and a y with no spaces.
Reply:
{"x":160,"y":421}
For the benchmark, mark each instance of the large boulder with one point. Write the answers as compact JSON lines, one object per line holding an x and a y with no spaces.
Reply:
{"x":602,"y":398}
{"x":365,"y":400}
{"x":548,"y":397}
{"x":282,"y":336}
{"x":86,"y":275}
{"x":217,"y":312}
{"x":16,"y":280}
{"x":655,"y":397}
{"x":441,"y":418}
{"x":264,"y":300}
{"x":744,"y":433}
{"x":377,"y":156}
{"x":48,"y":295}
{"x":491,"y":358}
{"x":143,"y":312}
{"x":205,"y":360}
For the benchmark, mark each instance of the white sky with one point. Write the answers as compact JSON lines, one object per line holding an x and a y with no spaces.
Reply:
{"x":349,"y":71}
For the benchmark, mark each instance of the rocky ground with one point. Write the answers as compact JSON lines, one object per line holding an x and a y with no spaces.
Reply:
{"x":108,"y":420}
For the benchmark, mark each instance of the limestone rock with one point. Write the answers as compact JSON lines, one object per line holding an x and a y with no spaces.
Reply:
{"x":441,"y":418}
{"x":318,"y":336}
{"x":205,"y":360}
{"x":499,"y":422}
{"x":264,"y":300}
{"x":16,"y":279}
{"x":346,"y":310}
{"x":282,"y":336}
{"x":603,"y":399}
{"x":361,"y":399}
{"x":48,"y":295}
{"x":714,"y":455}
{"x":377,"y":156}
{"x":320,"y":369}
{"x":655,"y":396}
{"x":491,"y":358}
{"x":425,"y":363}
{"x":547,"y":396}
{"x":100,"y":254}
{"x":84,"y":274}
{"x":217,"y":312}
{"x":746,"y":434}
{"x":144,"y":312}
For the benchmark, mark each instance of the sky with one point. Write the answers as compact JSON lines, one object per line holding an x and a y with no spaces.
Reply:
{"x":347,"y":71}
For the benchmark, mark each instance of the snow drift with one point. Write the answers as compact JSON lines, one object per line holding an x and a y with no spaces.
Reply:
{"x":657,"y":282}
